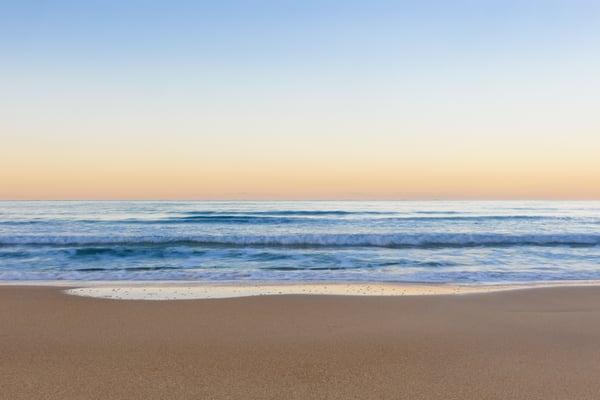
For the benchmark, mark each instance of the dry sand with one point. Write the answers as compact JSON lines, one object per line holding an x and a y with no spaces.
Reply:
{"x":525,"y":344}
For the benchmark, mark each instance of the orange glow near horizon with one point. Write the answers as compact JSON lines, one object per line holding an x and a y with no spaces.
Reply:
{"x":383,"y":164}
{"x":387,"y":176}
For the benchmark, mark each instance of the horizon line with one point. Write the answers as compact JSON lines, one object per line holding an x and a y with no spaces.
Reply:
{"x":303,"y":200}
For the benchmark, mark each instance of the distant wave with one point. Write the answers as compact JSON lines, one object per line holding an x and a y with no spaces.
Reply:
{"x":478,"y":218}
{"x":271,"y":219}
{"x":439,"y":212}
{"x":241,"y":219}
{"x":397,"y":240}
{"x":289,"y":212}
{"x":218,"y":219}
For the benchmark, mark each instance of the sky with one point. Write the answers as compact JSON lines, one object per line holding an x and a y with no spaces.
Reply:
{"x":300,"y":99}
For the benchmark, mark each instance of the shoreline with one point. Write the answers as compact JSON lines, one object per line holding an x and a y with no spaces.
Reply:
{"x":194,"y":290}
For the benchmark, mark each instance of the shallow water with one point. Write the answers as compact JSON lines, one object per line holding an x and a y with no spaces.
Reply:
{"x":437,"y":241}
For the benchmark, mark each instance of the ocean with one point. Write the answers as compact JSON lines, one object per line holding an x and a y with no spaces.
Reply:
{"x":297,"y":241}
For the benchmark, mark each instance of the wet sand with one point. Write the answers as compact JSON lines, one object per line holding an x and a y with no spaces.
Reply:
{"x":524,"y":344}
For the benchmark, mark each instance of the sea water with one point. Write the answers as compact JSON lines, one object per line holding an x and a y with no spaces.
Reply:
{"x":379,"y":241}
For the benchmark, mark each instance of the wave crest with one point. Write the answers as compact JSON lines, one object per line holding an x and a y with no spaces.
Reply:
{"x":393,"y":240}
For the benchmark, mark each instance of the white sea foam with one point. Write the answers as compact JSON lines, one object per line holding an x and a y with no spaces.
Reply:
{"x":191,"y":291}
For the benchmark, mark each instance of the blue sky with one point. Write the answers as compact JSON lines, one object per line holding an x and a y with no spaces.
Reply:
{"x":279,"y":85}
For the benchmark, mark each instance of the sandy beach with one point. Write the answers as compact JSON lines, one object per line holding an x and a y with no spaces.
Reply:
{"x":524,"y":344}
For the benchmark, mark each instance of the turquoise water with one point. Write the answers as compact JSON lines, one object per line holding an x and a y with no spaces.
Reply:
{"x":437,"y":241}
